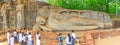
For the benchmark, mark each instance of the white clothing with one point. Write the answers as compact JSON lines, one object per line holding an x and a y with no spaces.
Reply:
{"x":37,"y":39}
{"x":38,"y":42}
{"x":24,"y":38}
{"x":67,"y":40}
{"x":8,"y":37}
{"x":15,"y":33}
{"x":29,"y":37}
{"x":37,"y":36}
{"x":73,"y":35}
{"x":30,"y":43}
{"x":20,"y":37}
{"x":27,"y":32}
{"x":12,"y":41}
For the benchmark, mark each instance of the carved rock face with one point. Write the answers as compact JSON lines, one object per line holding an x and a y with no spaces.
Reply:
{"x":40,"y":20}
{"x":75,"y":20}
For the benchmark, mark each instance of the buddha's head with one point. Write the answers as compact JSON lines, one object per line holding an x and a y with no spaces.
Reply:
{"x":41,"y":20}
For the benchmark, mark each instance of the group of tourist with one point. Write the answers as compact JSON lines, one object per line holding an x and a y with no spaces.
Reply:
{"x":70,"y":39}
{"x":22,"y":38}
{"x":27,"y":39}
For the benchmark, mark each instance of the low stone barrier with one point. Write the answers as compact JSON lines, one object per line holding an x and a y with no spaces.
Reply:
{"x":99,"y":34}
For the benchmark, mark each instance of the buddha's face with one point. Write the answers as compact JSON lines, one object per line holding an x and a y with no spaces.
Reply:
{"x":40,"y":20}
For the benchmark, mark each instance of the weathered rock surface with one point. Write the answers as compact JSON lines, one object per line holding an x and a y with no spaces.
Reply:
{"x":79,"y":20}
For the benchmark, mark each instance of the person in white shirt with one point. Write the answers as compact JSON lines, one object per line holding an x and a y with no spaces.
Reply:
{"x":8,"y":37}
{"x":23,"y":40}
{"x":68,"y":40}
{"x":27,"y":32}
{"x":38,"y":41}
{"x":20,"y":37}
{"x":17,"y":38}
{"x":15,"y":35}
{"x":73,"y":37}
{"x":12,"y":40}
{"x":30,"y":40}
{"x":38,"y":38}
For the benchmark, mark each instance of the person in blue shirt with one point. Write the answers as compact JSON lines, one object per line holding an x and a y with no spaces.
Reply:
{"x":73,"y":37}
{"x":60,"y":38}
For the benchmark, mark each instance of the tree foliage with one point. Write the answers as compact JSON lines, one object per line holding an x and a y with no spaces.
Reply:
{"x":97,"y":5}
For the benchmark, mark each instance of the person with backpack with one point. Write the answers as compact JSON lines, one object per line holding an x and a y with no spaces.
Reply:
{"x":73,"y":37}
{"x":60,"y":39}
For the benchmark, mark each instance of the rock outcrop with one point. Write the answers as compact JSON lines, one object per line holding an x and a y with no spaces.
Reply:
{"x":76,"y":19}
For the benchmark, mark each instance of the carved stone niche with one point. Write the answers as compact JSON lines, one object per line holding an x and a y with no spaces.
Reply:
{"x":63,"y":12}
{"x":1,"y":18}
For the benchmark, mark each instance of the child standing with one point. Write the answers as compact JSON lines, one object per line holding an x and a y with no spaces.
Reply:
{"x":8,"y":37}
{"x":23,"y":40}
{"x":12,"y":40}
{"x":15,"y":35}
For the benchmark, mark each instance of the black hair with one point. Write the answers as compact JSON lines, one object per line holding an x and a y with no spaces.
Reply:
{"x":39,"y":38}
{"x":29,"y":32}
{"x":73,"y":31}
{"x":37,"y":32}
{"x":60,"y":34}
{"x":69,"y":37}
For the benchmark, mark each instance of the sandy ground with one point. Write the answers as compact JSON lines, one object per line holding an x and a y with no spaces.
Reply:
{"x":108,"y":41}
{"x":3,"y":43}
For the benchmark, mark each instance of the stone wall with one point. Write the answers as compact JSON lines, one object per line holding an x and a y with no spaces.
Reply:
{"x":116,"y":23}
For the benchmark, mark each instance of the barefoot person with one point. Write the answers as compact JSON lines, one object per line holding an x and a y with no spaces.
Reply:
{"x":8,"y":37}
{"x":12,"y":40}
{"x":38,"y":38}
{"x":73,"y":37}
{"x":68,"y":40}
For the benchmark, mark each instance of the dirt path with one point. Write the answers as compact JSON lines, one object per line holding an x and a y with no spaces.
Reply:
{"x":108,"y":41}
